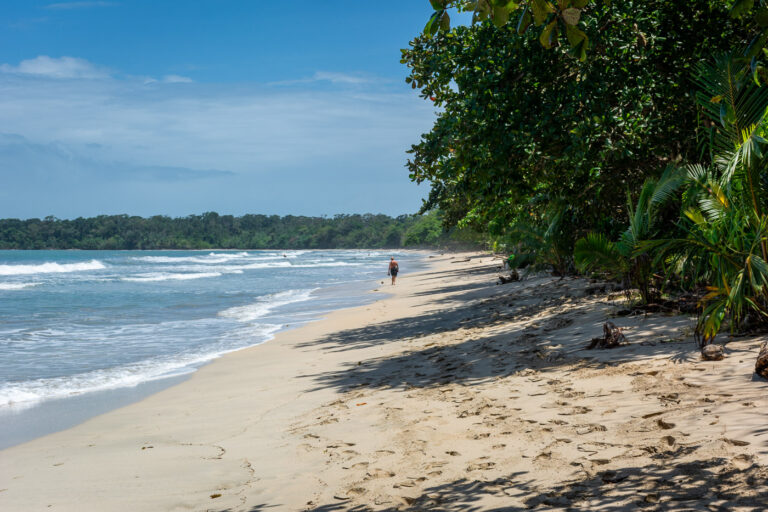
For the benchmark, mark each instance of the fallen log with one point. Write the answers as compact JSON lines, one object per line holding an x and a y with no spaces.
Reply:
{"x":761,"y":366}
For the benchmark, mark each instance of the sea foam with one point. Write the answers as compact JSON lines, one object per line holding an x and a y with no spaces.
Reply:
{"x":214,"y":257}
{"x":16,"y":286}
{"x":265,"y":305}
{"x":22,"y":395}
{"x":161,"y":276}
{"x":50,"y":268}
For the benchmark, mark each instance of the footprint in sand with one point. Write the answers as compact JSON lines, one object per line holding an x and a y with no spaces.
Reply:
{"x":379,"y":473}
{"x":477,"y":466}
{"x":588,"y":429}
{"x":736,"y":442}
{"x":742,"y":461}
{"x":355,"y":492}
{"x":668,"y":441}
{"x":359,"y":465}
{"x":576,"y":410}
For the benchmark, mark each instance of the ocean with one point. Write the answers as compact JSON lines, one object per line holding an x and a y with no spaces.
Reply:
{"x":85,"y":332}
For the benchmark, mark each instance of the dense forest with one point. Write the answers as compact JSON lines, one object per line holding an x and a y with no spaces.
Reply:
{"x":211,"y":230}
{"x":625,"y":140}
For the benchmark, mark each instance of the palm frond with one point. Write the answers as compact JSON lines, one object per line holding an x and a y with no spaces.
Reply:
{"x":667,"y":186}
{"x":730,"y":99}
{"x":596,"y":253}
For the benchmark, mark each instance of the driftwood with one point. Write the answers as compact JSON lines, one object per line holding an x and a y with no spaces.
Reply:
{"x":712,"y":353}
{"x":612,"y":337}
{"x":514,"y":276}
{"x":761,"y":366}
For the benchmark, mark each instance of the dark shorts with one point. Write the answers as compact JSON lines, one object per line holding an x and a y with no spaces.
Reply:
{"x":393,"y":272}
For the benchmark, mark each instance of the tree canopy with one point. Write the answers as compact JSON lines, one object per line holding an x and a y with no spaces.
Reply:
{"x":211,"y":230}
{"x":520,"y":128}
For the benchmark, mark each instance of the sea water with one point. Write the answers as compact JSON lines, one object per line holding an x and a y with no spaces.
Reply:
{"x":84,"y":332}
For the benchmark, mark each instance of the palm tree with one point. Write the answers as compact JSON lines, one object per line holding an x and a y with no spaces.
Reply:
{"x":624,"y":259}
{"x":725,"y":205}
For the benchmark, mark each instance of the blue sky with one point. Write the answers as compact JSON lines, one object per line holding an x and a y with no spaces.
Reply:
{"x":180,"y":107}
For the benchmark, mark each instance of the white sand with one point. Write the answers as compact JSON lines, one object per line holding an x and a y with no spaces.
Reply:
{"x":453,"y":394}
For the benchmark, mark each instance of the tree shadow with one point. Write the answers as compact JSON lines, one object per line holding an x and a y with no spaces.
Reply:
{"x":253,"y":508}
{"x":468,"y":309}
{"x":669,"y":485}
{"x":470,"y":358}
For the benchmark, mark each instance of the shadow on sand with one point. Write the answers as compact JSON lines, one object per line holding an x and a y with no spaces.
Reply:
{"x":479,"y":358}
{"x":712,"y":484}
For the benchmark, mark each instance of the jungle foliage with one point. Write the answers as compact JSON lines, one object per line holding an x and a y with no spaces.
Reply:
{"x":211,"y":230}
{"x":520,"y":127}
{"x":624,"y":139}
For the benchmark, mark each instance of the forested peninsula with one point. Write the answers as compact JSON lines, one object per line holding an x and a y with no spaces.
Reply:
{"x":213,"y":231}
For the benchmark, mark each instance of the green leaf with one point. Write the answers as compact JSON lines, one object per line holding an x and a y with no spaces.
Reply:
{"x":525,"y":21}
{"x":482,"y":11}
{"x":437,"y":4}
{"x":580,"y":3}
{"x":757,"y":44}
{"x":741,"y":7}
{"x":433,"y":24}
{"x":445,"y":22}
{"x":761,"y":17}
{"x":579,"y":42}
{"x":500,"y":16}
{"x":548,"y":35}
{"x":574,"y":35}
{"x":571,"y":16}
{"x":541,"y":10}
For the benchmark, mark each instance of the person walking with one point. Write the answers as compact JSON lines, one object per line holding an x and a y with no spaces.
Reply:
{"x":394,"y":268}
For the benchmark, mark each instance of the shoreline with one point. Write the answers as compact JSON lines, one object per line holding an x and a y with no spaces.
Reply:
{"x":56,"y":414}
{"x":451,"y":393}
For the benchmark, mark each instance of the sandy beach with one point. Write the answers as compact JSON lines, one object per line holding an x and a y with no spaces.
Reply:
{"x":452,"y":393}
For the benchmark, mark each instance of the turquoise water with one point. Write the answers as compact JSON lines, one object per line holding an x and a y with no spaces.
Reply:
{"x":73,"y":324}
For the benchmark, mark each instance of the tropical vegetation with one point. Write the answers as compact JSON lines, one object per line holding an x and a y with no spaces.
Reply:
{"x":211,"y":230}
{"x":624,"y":139}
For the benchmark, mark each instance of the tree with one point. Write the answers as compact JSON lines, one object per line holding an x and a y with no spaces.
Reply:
{"x":553,"y":18}
{"x":561,"y":20}
{"x":725,"y":215}
{"x":520,"y":128}
{"x":626,"y":259}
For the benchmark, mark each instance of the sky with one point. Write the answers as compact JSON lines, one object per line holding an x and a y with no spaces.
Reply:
{"x":181,"y":107}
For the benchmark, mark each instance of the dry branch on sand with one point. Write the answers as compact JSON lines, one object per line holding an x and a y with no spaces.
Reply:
{"x":513,"y":276}
{"x":761,"y":366}
{"x":612,"y":337}
{"x":713,"y":353}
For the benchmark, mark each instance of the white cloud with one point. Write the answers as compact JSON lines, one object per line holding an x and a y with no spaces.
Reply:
{"x":177,"y":79}
{"x":332,"y":77}
{"x":52,"y":67}
{"x":339,"y":78}
{"x":292,"y":150}
{"x":62,"y":6}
